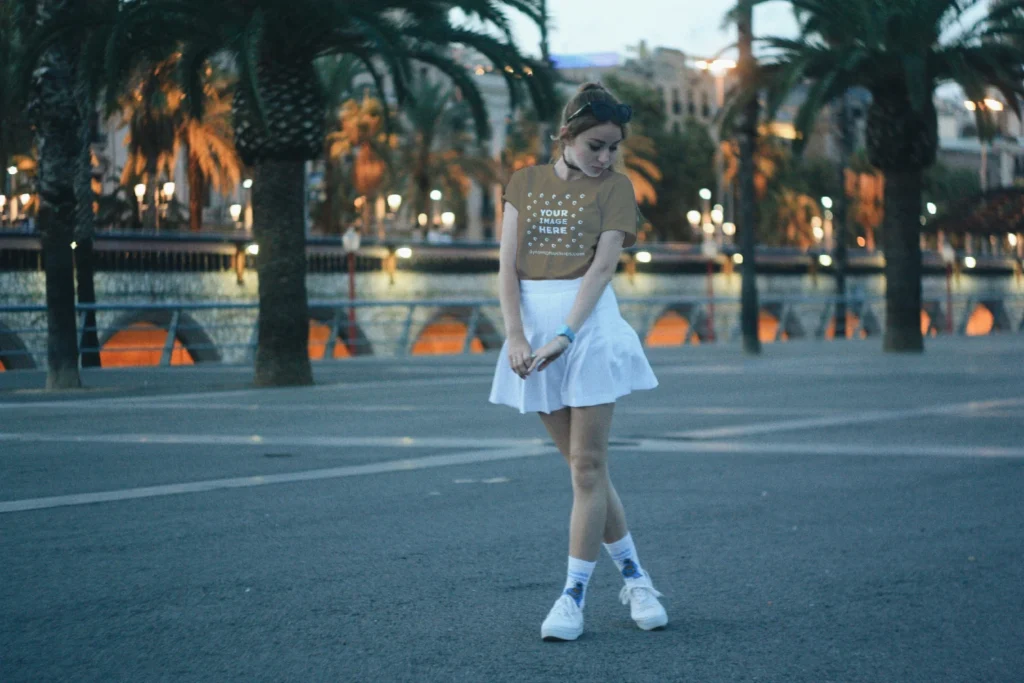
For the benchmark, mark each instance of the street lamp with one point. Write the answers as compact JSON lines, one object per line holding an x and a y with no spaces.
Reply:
{"x":394,"y":202}
{"x":694,"y":218}
{"x":643,"y":256}
{"x":236,"y":213}
{"x":350,"y":243}
{"x":709,"y":248}
{"x":948,"y":258}
{"x":932,"y":209}
{"x":140,"y":193}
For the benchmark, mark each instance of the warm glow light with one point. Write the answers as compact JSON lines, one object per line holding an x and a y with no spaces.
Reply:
{"x":140,"y":191}
{"x":816,"y":222}
{"x":247,"y":183}
{"x":12,"y":170}
{"x":709,"y":228}
{"x":169,"y":190}
{"x":435,"y":195}
{"x":737,"y":259}
{"x":1011,"y":237}
{"x":235,"y":210}
{"x":717,"y":215}
{"x":693,"y":217}
{"x":729,"y":229}
{"x":932,"y":209}
{"x":643,"y":256}
{"x":994,"y":105}
{"x":825,"y":260}
{"x":701,"y":64}
{"x":705,"y":194}
{"x":447,"y":219}
{"x":25,"y":199}
{"x":861,"y":242}
{"x":970,"y":261}
{"x":394,"y":201}
{"x":422,"y":219}
{"x":3,"y":200}
{"x":403,"y":252}
{"x":253,"y":249}
{"x":74,"y":245}
{"x":971,"y":106}
{"x":826,"y":202}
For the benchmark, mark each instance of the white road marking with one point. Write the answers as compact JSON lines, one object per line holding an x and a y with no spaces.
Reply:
{"x":872,"y":416}
{"x":263,"y":441}
{"x":407,"y":465}
{"x":769,"y":448}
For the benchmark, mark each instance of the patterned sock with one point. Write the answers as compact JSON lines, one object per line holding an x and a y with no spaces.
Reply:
{"x":577,"y":579}
{"x":624,"y":553}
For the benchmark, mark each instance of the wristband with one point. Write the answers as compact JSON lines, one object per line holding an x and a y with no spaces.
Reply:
{"x":566,"y":331}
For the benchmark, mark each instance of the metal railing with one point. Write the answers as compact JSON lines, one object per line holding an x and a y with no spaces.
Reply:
{"x":185,"y":333}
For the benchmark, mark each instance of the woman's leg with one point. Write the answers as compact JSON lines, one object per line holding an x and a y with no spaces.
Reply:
{"x":559,"y":426}
{"x":588,"y":463}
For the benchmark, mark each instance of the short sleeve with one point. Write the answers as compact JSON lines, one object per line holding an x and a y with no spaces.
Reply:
{"x":514,"y":190}
{"x":620,"y":211}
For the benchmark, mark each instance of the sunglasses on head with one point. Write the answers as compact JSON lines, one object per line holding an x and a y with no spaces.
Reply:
{"x":604,"y":112}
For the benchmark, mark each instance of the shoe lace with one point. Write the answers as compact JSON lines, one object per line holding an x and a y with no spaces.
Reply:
{"x":566,"y":607}
{"x":641,"y":596}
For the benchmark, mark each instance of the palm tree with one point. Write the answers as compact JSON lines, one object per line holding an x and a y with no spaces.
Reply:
{"x":279,"y":106}
{"x":56,"y":117}
{"x":900,"y":52}
{"x":358,"y":155}
{"x":160,"y":125}
{"x":437,"y":150}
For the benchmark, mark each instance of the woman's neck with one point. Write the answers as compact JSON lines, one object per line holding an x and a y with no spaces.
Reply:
{"x":563,"y":171}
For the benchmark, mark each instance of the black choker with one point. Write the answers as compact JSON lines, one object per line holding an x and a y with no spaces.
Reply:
{"x":566,"y":162}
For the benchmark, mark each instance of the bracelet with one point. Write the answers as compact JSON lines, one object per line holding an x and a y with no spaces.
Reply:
{"x":566,"y":331}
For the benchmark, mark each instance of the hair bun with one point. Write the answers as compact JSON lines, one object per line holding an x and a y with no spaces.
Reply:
{"x":591,"y":86}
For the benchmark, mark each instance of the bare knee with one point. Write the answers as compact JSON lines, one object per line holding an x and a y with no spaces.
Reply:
{"x":589,"y":470}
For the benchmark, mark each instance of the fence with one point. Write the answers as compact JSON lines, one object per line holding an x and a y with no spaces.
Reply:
{"x":186,"y":333}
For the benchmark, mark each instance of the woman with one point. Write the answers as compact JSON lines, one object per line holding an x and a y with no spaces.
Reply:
{"x":569,"y":352}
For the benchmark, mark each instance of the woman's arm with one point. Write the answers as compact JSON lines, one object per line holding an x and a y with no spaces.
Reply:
{"x":597,"y":277}
{"x":508,"y":292}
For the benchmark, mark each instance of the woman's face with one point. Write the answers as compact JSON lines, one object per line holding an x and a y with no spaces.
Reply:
{"x":595,"y":150}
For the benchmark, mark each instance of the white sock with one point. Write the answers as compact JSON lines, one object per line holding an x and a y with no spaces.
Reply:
{"x":624,"y":553}
{"x":577,"y":579}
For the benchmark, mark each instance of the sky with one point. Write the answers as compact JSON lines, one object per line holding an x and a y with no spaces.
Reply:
{"x":693,"y":26}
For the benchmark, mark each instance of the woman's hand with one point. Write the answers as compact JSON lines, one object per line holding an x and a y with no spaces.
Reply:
{"x":547,"y":354}
{"x":519,"y":355}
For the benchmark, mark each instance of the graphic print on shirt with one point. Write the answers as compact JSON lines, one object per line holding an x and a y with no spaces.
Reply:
{"x":554,"y":224}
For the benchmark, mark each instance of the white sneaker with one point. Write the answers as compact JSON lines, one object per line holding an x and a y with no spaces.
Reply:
{"x":644,"y":607}
{"x":564,"y":622}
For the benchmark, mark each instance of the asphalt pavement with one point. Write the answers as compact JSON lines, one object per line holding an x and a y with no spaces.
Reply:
{"x":824,"y":512}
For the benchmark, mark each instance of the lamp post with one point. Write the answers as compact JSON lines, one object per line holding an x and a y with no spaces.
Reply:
{"x":11,"y":172}
{"x":709,"y":248}
{"x":350,"y":243}
{"x":447,"y":221}
{"x":236,"y":213}
{"x":826,"y":202}
{"x":168,"y":195}
{"x":247,"y":209}
{"x":694,"y":218}
{"x":948,"y":258}
{"x":435,"y":197}
{"x":717,"y":218}
{"x":394,"y":204}
{"x":140,"y":201}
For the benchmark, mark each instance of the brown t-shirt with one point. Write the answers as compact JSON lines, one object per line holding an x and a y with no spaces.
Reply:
{"x":560,"y":221}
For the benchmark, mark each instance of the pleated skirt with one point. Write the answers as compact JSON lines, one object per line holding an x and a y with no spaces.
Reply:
{"x":605,"y":363}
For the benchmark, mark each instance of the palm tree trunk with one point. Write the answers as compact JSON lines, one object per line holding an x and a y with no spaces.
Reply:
{"x":85,"y":273}
{"x":902,"y":261}
{"x":196,"y":190}
{"x":747,"y":132}
{"x":842,"y":214}
{"x":282,"y":356}
{"x":85,"y":219}
{"x":57,"y":130}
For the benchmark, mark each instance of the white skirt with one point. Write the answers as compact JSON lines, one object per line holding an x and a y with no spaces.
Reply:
{"x":605,"y":362}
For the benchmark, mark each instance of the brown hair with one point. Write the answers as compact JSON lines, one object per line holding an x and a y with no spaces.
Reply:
{"x":588,"y":92}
